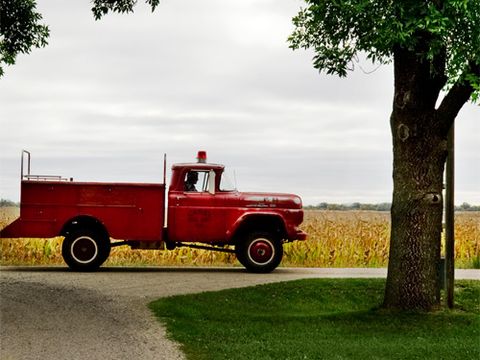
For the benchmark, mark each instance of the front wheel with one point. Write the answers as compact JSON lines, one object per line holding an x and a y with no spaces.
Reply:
{"x":85,"y":250}
{"x":261,"y":252}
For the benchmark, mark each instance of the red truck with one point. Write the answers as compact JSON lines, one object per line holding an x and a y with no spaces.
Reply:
{"x":202,"y":212}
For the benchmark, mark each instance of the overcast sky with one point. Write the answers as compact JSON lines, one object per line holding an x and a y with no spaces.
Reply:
{"x":105,"y":99}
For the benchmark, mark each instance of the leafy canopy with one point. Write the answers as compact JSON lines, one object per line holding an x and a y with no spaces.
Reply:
{"x":20,"y":30}
{"x":102,"y":7}
{"x":338,"y":30}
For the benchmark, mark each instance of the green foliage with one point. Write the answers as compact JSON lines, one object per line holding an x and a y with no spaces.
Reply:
{"x":375,"y":207}
{"x":338,"y":31}
{"x":319,"y":319}
{"x":8,"y":203}
{"x":20,"y":30}
{"x":102,"y":7}
{"x":350,"y":207}
{"x":467,"y":207}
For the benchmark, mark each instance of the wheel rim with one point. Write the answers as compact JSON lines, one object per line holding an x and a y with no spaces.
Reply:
{"x":261,"y":251}
{"x":84,"y":249}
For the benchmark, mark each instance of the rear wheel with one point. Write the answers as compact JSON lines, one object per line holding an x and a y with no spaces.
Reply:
{"x":261,"y":252}
{"x":85,"y":250}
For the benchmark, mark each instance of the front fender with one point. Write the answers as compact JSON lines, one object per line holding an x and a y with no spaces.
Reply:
{"x":256,"y":221}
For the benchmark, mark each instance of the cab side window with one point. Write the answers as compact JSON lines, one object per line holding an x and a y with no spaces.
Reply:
{"x":226,"y":183}
{"x":196,"y":181}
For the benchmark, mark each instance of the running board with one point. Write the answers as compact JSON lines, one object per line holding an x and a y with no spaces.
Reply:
{"x":170,"y":246}
{"x":203,"y":247}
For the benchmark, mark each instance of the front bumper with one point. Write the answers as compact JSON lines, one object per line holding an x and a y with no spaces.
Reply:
{"x":300,"y":235}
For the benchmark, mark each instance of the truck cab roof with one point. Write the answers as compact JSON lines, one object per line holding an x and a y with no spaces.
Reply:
{"x":198,"y":166}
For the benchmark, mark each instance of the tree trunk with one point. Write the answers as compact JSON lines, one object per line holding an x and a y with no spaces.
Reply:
{"x":413,"y":282}
{"x":419,"y":154}
{"x":419,"y":133}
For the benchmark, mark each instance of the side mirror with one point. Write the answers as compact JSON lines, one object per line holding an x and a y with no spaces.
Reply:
{"x":211,"y":182}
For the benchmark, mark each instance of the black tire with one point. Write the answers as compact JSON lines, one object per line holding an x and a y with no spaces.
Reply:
{"x":85,"y":250}
{"x":260,"y":252}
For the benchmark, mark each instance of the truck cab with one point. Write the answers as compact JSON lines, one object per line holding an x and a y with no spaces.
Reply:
{"x":203,"y":211}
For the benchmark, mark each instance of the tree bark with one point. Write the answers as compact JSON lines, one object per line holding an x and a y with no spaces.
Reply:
{"x":419,"y":154}
{"x":419,"y":133}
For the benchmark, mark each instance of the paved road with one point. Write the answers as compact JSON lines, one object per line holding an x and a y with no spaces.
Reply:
{"x":50,"y":312}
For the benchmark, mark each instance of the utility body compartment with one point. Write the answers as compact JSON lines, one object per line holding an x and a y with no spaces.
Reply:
{"x":129,"y":211}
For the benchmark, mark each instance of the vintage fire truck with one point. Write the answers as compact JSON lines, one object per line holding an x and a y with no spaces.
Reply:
{"x":203,"y":212}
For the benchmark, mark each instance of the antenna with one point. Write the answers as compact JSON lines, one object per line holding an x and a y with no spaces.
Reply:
{"x":165,"y":169}
{"x":235,"y":179}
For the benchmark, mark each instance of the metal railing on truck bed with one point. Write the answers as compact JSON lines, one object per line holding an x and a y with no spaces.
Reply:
{"x":29,"y":176}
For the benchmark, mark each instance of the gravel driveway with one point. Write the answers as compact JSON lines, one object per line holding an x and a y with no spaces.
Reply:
{"x":53,"y":313}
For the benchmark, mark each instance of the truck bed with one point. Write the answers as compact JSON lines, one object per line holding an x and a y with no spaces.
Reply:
{"x":129,"y":211}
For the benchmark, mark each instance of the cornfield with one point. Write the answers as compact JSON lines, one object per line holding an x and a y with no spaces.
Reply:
{"x":336,"y":239}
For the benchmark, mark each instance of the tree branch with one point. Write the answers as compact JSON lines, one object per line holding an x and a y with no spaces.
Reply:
{"x":103,"y":7}
{"x":458,"y":95}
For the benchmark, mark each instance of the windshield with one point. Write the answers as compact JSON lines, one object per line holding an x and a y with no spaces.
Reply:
{"x":226,"y":183}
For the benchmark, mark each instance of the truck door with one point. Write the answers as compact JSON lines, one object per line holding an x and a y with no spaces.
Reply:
{"x":197,"y":213}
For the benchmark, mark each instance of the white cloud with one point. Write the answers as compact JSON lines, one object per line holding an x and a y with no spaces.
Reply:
{"x":104,"y":100}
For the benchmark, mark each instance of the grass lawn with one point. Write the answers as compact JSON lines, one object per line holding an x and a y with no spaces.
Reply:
{"x":319,"y":319}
